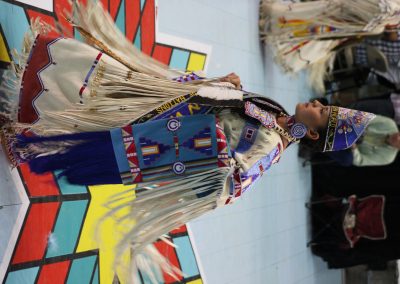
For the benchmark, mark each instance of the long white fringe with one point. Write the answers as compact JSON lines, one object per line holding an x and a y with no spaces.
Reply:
{"x":95,"y":20}
{"x":157,"y":211}
{"x":119,"y":95}
{"x":349,"y":17}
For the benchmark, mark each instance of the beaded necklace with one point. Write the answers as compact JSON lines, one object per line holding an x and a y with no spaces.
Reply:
{"x":268,"y":120}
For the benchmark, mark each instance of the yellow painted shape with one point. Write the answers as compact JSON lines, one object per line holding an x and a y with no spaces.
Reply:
{"x":196,"y":61}
{"x":103,"y":233}
{"x":197,"y":281}
{"x":4,"y":56}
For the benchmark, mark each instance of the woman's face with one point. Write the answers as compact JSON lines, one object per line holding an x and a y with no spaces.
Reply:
{"x":313,"y":115}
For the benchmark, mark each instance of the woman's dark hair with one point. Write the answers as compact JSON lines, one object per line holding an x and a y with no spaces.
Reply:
{"x":267,"y":104}
{"x":315,"y":145}
{"x":322,"y":100}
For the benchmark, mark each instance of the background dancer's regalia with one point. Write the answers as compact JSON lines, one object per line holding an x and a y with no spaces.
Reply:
{"x":104,"y":113}
{"x":307,"y":35}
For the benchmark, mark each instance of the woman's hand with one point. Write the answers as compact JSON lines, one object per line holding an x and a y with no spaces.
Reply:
{"x":233,"y":79}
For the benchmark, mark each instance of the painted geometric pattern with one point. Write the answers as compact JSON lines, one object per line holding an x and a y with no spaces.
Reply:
{"x":56,"y":243}
{"x":135,"y":18}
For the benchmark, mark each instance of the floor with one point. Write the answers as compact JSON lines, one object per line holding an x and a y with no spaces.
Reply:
{"x":262,"y":238}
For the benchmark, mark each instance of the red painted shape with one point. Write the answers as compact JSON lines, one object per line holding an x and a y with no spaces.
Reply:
{"x":61,"y":9}
{"x":105,"y":4}
{"x":162,"y":53}
{"x":132,"y":16}
{"x":38,"y":185}
{"x":54,"y":273}
{"x":43,"y":18}
{"x":148,"y":27}
{"x":114,"y":8}
{"x":34,"y":235}
{"x":180,"y":230}
{"x":170,"y":253}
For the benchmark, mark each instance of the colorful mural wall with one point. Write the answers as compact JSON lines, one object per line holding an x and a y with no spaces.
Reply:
{"x":57,"y":242}
{"x":56,"y":236}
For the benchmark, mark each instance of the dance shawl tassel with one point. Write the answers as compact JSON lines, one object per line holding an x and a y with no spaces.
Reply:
{"x":83,"y":158}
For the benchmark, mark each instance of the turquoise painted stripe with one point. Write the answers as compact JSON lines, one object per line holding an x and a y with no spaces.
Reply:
{"x":186,"y":256}
{"x":82,"y":270}
{"x":22,"y":276}
{"x":119,"y":150}
{"x":146,"y":279}
{"x":14,"y":23}
{"x":66,"y":232}
{"x":96,"y":275}
{"x":67,"y":188}
{"x":138,"y":38}
{"x":179,"y":59}
{"x":78,"y":35}
{"x":142,"y":2}
{"x":120,"y":20}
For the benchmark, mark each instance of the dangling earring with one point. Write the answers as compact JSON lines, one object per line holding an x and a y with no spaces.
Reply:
{"x":297,"y":130}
